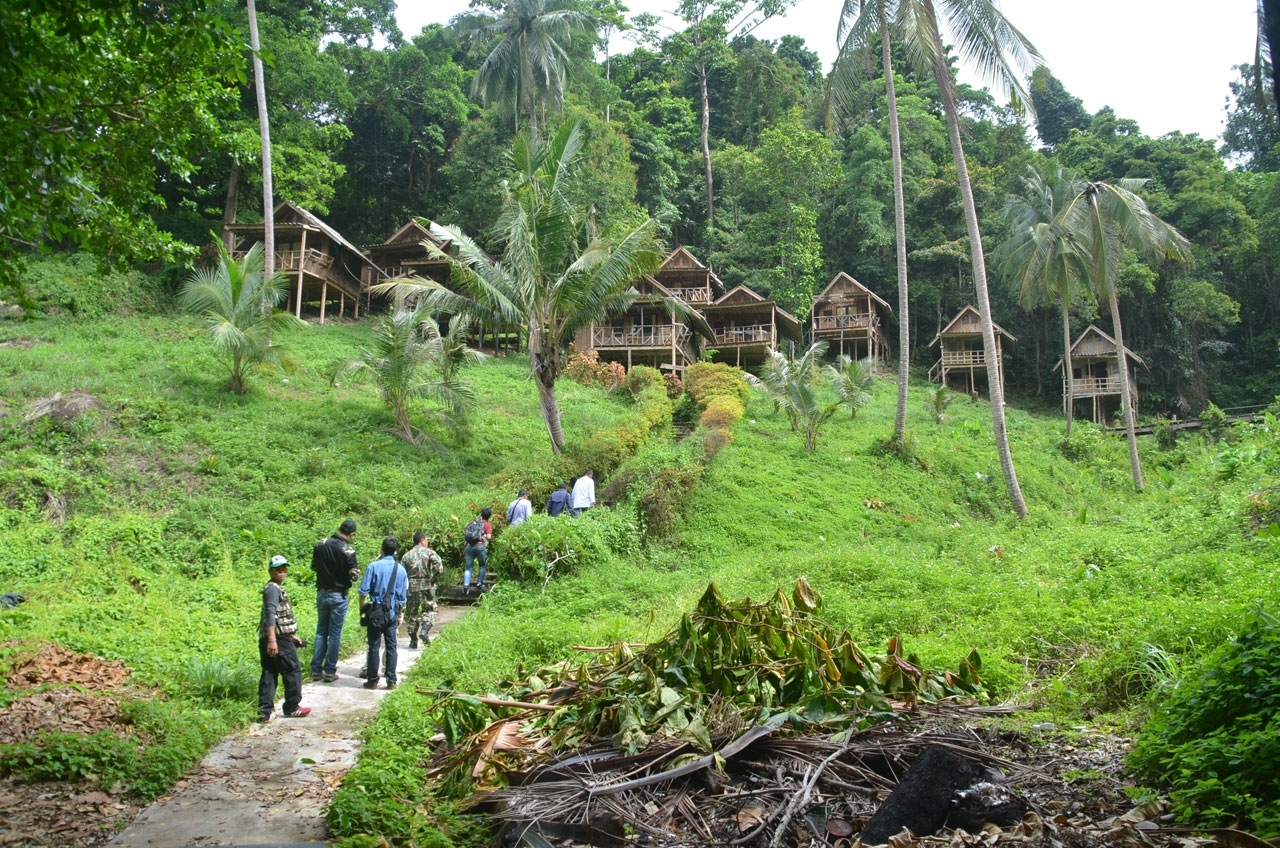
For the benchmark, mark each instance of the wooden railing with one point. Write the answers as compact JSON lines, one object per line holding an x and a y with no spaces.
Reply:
{"x":963,"y":358}
{"x":757,"y":334}
{"x":659,"y":336}
{"x":842,"y":322}
{"x":1095,"y":386}
{"x":698,"y":295}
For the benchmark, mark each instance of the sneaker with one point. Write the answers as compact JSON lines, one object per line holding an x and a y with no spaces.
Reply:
{"x":391,"y":686}
{"x":262,"y":720}
{"x":413,"y":644}
{"x":371,"y":684}
{"x":300,"y":712}
{"x":329,"y":678}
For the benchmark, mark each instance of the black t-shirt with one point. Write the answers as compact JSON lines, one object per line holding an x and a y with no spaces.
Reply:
{"x":335,"y":565}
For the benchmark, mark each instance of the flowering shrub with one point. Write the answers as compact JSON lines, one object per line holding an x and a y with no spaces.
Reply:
{"x":675,"y":386}
{"x":587,"y":369}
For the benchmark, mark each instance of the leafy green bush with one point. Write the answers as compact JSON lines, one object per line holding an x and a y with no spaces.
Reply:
{"x":1216,"y":741}
{"x":705,"y":380}
{"x":655,"y":408}
{"x":1215,"y":422}
{"x":82,"y":286}
{"x":641,"y":377}
{"x":661,"y":484}
{"x":543,"y":547}
{"x":605,"y":450}
{"x":687,"y":408}
{"x":722,"y":413}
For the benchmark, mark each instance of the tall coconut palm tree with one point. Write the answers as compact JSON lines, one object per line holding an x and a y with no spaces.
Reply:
{"x":1040,"y":259}
{"x":528,"y":64}
{"x":555,"y":275}
{"x":238,"y":301}
{"x":1105,"y":220}
{"x":986,"y":39}
{"x":264,"y":131}
{"x":859,"y":21}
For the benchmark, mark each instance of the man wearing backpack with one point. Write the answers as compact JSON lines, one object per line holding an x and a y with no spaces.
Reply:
{"x":477,"y":535}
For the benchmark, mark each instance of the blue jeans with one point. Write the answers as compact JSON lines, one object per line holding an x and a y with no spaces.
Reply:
{"x":473,"y":553}
{"x":331,"y":612}
{"x":377,"y":636}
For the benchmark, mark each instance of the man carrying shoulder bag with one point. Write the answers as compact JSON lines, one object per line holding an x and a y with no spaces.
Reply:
{"x":385,"y":587}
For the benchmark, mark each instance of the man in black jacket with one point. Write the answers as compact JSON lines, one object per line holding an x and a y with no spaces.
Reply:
{"x":334,"y":562}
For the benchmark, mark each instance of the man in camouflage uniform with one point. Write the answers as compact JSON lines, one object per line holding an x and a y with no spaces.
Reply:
{"x":424,"y":568}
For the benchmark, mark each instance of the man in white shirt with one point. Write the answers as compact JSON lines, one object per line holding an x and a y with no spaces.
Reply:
{"x":584,"y":494}
{"x":519,"y":510}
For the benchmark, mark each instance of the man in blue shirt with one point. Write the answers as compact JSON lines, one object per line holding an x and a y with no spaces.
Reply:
{"x":382,"y":573}
{"x":519,"y":510}
{"x":559,"y":500}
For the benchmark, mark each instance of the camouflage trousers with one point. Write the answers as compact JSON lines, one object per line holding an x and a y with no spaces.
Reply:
{"x":420,"y":609}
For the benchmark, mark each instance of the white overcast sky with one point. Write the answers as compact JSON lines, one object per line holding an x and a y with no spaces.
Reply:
{"x":1164,"y":63}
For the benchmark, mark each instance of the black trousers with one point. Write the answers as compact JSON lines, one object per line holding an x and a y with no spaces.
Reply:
{"x":283,"y":666}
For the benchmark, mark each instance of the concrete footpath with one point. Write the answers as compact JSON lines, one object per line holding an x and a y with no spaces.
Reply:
{"x":268,"y":784}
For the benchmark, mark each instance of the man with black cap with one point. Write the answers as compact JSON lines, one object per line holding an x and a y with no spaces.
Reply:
{"x":278,"y":647}
{"x":334,"y":562}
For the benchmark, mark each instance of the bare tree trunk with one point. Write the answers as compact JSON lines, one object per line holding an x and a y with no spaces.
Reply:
{"x":1126,"y":399}
{"x":233,"y":201}
{"x":1067,"y":370}
{"x":550,"y":413}
{"x":900,"y":234}
{"x":702,"y":72}
{"x":264,"y":130}
{"x":942,"y":74}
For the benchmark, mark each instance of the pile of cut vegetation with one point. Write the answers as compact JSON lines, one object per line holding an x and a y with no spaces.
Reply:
{"x":760,"y":724}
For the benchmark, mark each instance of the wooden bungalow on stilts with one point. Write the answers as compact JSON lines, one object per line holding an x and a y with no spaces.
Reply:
{"x":320,"y":264}
{"x":406,"y":254}
{"x":962,"y":354}
{"x":648,"y":333}
{"x":747,"y":327}
{"x":846,"y":315}
{"x":1095,"y":377}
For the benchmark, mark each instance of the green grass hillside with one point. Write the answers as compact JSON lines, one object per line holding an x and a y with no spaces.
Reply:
{"x":140,"y":531}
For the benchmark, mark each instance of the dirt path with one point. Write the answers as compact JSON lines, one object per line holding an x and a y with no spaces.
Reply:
{"x":269,"y":784}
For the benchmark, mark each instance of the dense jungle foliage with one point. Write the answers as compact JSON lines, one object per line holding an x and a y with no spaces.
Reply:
{"x":371,"y":126}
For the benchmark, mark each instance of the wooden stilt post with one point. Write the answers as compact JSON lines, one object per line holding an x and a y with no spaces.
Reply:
{"x":324,"y":298}
{"x":342,"y":303}
{"x":302,"y":263}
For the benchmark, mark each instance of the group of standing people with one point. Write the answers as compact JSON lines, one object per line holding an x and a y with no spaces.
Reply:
{"x":400,"y":589}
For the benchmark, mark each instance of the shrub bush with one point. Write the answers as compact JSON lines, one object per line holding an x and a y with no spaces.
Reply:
{"x":661,"y":484}
{"x":686,"y":408}
{"x":722,"y":413}
{"x":675,"y":386}
{"x":587,"y":369}
{"x":605,"y":451}
{"x":1216,"y":740}
{"x":641,"y":377}
{"x":543,"y":547}
{"x":705,"y":380}
{"x":655,"y":407}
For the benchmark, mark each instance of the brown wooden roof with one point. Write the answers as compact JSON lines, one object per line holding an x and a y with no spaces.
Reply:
{"x":839,"y":286}
{"x":742,"y":296}
{"x":968,"y":322}
{"x":1093,"y":343}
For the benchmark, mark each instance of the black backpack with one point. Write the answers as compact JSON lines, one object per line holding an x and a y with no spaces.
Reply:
{"x":474,"y":533}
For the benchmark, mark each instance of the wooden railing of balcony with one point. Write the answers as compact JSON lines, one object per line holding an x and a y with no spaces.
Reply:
{"x":963,"y":358}
{"x":698,"y":295}
{"x":660,"y":336}
{"x":757,"y":334}
{"x":842,"y":322}
{"x":1095,"y":386}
